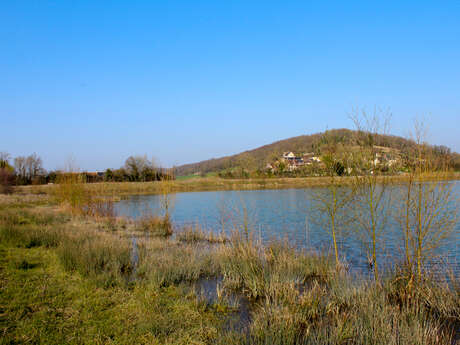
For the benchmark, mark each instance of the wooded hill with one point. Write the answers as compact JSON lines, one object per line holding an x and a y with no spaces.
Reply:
{"x":259,"y":157}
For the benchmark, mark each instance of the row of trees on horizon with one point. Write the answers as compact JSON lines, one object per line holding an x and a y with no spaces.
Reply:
{"x":27,"y":170}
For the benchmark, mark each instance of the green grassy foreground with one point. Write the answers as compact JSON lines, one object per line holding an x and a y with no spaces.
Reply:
{"x":212,"y":183}
{"x":72,"y":279}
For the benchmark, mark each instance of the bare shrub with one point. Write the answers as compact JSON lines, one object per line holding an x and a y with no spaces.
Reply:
{"x":72,"y":192}
{"x":6,"y":181}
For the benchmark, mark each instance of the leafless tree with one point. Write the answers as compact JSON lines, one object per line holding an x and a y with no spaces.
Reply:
{"x":429,"y":204}
{"x":372,"y":202}
{"x":4,"y":159}
{"x":20,"y":167}
{"x":34,"y":165}
{"x":27,"y":168}
{"x":330,"y":204}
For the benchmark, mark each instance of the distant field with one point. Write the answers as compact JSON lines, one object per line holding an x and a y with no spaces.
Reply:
{"x":195,"y":176}
{"x":180,"y":178}
{"x":196,"y":183}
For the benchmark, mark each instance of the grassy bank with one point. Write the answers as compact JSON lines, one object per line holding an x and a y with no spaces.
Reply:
{"x":82,"y":280}
{"x":195,"y":184}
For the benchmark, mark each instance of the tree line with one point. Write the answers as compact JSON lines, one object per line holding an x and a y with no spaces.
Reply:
{"x":27,"y":170}
{"x":21,"y":170}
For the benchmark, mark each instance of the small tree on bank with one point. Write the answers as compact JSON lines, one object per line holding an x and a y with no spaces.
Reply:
{"x":372,"y":202}
{"x":330,"y":204}
{"x":429,"y":204}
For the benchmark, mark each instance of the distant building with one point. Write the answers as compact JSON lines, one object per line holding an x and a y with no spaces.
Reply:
{"x":292,"y":161}
{"x":289,"y":155}
{"x":94,"y":176}
{"x":310,"y":158}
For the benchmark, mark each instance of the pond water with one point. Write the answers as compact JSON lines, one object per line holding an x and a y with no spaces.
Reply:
{"x":285,"y":214}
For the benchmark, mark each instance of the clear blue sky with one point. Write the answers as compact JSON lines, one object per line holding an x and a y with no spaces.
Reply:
{"x":183,"y":81}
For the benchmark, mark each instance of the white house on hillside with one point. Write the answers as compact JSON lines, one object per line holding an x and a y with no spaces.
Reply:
{"x":288,"y":155}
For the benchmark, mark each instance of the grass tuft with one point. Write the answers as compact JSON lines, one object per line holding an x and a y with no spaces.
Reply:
{"x":97,"y":255}
{"x":195,"y":234}
{"x":155,"y":226}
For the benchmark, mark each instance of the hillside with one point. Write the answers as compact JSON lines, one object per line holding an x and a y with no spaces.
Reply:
{"x":259,"y":157}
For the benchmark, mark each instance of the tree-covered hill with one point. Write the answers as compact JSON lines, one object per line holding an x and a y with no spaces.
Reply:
{"x":259,"y":157}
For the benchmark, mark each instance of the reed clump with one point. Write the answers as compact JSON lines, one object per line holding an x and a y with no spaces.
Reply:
{"x":346,"y":312}
{"x":166,"y":262}
{"x":103,"y":257}
{"x":155,"y":225}
{"x":259,"y":271}
{"x":195,"y":234}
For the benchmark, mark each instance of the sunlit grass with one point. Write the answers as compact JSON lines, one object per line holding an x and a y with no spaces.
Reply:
{"x":72,"y":279}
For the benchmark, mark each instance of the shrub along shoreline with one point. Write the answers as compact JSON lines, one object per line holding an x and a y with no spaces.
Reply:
{"x":71,"y":278}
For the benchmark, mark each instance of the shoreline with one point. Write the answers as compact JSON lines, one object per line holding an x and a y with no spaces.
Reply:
{"x":203,"y":184}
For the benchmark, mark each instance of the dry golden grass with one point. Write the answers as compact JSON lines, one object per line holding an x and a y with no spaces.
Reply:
{"x":117,"y":189}
{"x":11,"y":200}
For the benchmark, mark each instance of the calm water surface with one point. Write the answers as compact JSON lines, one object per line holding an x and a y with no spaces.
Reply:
{"x":280,"y":214}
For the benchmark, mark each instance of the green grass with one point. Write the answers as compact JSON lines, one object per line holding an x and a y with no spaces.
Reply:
{"x":99,"y":256}
{"x":187,"y":177}
{"x":73,"y":280}
{"x":55,"y":296}
{"x":48,"y":305}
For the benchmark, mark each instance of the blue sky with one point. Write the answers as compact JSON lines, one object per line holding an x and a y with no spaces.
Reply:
{"x":184,"y":81}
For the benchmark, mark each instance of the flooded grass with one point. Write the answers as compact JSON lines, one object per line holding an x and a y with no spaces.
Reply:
{"x":236,"y":306}
{"x":75,"y":280}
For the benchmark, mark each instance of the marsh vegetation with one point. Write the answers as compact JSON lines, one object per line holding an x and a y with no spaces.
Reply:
{"x":73,"y":271}
{"x":70,"y":277}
